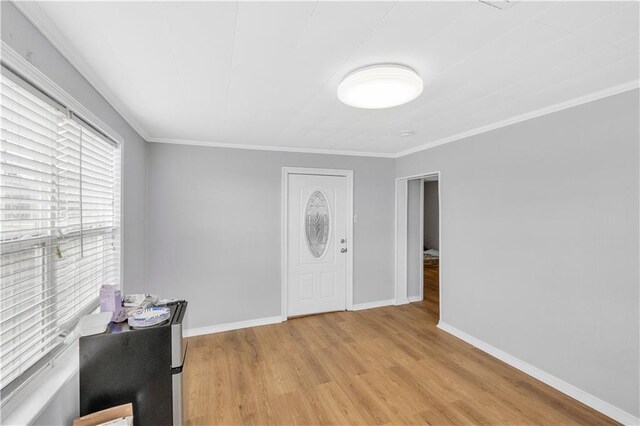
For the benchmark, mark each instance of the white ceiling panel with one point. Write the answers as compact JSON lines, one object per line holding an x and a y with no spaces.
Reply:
{"x":562,"y":15}
{"x":260,"y":43}
{"x":265,"y":74}
{"x":612,"y":27}
{"x":199,"y":36}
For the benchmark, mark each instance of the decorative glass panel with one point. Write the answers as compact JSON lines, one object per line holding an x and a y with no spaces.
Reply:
{"x":317,"y":223}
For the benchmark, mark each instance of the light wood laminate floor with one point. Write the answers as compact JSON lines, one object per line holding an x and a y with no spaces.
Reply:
{"x":388,"y":365}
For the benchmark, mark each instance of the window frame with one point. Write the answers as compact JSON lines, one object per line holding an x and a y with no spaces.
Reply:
{"x":25,"y":74}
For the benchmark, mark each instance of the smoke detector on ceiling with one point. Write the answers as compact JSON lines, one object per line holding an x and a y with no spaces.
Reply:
{"x":499,"y":4}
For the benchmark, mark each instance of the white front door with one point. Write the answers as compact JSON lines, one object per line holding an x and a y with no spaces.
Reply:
{"x":317,"y":244}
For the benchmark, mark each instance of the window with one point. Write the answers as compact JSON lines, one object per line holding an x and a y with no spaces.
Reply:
{"x":59,"y":225}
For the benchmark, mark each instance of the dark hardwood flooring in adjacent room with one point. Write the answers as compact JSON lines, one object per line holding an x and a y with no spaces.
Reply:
{"x":388,"y":365}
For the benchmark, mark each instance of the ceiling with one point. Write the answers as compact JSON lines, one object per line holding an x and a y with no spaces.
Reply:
{"x":264,"y":74}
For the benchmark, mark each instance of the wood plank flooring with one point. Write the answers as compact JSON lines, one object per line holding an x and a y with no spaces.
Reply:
{"x":432,"y":290}
{"x":380,"y":366}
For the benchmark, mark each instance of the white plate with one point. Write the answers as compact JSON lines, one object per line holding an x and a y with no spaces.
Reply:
{"x":149,"y":317}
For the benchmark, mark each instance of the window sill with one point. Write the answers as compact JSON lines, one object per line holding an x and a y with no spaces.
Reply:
{"x":29,"y":402}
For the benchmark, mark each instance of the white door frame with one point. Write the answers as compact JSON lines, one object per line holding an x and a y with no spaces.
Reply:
{"x":421,"y":293}
{"x":401,"y":278}
{"x":286,"y":171}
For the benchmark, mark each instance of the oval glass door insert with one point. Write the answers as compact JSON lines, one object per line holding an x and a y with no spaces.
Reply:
{"x":317,"y":223}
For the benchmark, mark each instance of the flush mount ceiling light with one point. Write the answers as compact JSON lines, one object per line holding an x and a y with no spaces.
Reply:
{"x":380,"y":86}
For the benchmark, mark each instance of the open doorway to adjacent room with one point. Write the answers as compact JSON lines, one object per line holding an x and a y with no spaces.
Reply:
{"x":431,"y":243}
{"x":418,"y":277}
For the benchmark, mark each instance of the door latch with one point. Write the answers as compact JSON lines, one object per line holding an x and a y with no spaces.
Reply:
{"x":343,"y":250}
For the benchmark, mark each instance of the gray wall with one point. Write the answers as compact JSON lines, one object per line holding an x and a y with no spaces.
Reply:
{"x":25,"y":39}
{"x":216,"y":218}
{"x":540,"y":242}
{"x":414,"y":248}
{"x":431,"y":216}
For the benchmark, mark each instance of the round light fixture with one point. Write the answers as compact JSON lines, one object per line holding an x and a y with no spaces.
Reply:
{"x":380,"y":86}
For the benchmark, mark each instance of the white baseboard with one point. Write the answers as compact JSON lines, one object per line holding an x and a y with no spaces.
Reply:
{"x":371,"y":305}
{"x":219,"y":328}
{"x":401,"y":301}
{"x":415,"y":299}
{"x":564,"y":387}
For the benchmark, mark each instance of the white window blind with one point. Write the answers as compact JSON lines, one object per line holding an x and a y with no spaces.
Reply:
{"x":59,"y":217}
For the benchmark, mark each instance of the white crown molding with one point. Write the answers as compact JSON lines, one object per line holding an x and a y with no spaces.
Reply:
{"x":269,"y":148}
{"x":219,"y":328}
{"x":556,"y":383}
{"x":615,"y":90}
{"x":625,"y":87}
{"x":32,"y":11}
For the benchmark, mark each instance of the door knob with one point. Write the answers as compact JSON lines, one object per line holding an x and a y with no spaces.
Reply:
{"x":343,"y":250}
{"x":342,"y":241}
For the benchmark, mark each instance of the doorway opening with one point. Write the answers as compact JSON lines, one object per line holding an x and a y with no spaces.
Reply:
{"x":431,"y":245}
{"x":418,"y":247}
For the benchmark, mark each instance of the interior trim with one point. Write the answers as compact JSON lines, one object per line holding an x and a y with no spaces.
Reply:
{"x":611,"y":91}
{"x":615,"y":90}
{"x":372,"y":305}
{"x":32,"y":75}
{"x":556,"y":383}
{"x":401,"y":252}
{"x":33,"y":12}
{"x":39,"y":19}
{"x":219,"y":328}
{"x":268,"y":148}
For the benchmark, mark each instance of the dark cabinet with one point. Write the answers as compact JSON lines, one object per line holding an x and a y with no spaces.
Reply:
{"x":141,"y":366}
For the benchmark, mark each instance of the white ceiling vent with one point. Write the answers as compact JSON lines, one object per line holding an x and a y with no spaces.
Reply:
{"x":499,"y":4}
